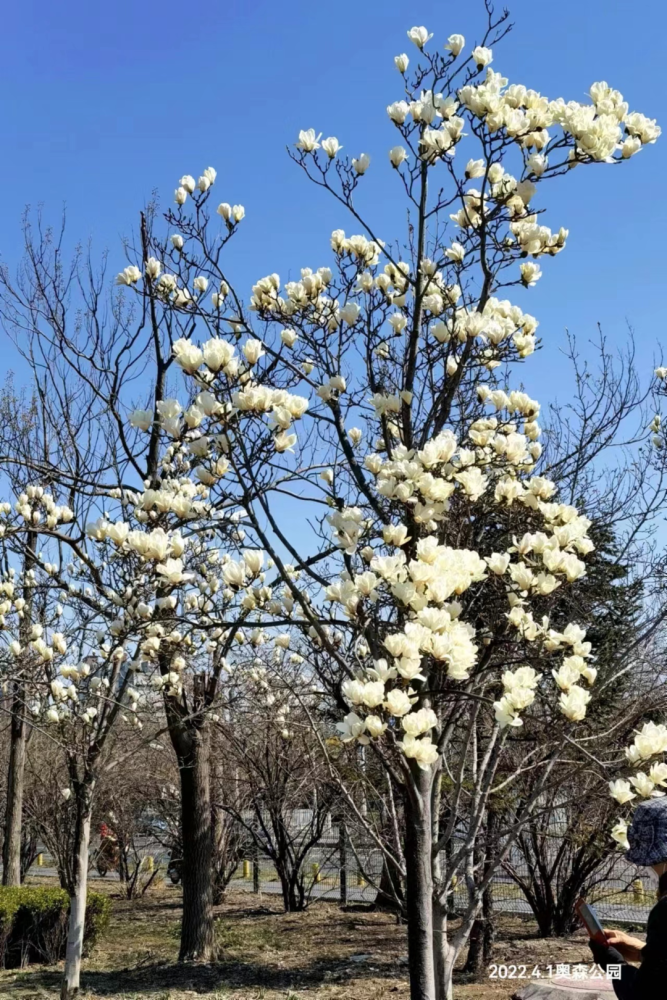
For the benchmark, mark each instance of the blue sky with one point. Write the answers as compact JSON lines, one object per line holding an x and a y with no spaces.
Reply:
{"x":111,"y":101}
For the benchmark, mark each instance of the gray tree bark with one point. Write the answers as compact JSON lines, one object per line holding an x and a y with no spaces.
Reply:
{"x":77,"y":917}
{"x":419,"y":886}
{"x":193,"y":754}
{"x":11,"y":846}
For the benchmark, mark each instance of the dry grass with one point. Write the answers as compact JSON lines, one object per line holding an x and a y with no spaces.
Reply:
{"x":264,"y":954}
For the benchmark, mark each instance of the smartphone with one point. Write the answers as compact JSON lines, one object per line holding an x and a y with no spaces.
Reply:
{"x":590,"y":920}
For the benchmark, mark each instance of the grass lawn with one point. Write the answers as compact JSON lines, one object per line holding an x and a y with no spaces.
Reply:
{"x":264,"y":954}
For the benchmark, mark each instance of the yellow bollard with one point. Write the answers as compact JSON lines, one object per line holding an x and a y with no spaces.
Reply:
{"x":317,"y":877}
{"x":361,"y":881}
{"x":638,"y":890}
{"x":40,"y":860}
{"x":246,"y":869}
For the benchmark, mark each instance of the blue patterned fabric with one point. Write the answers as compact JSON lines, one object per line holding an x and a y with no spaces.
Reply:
{"x":648,"y":834}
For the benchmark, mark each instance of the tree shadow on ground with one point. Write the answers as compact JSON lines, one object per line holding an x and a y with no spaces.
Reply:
{"x":204,"y":979}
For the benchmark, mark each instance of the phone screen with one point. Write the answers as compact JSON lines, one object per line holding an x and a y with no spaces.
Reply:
{"x":590,"y":920}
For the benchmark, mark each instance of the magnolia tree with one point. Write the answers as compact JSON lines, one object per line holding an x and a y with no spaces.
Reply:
{"x":287,"y":796}
{"x":118,"y":594}
{"x":382,"y":389}
{"x":75,"y":678}
{"x":133,"y":514}
{"x":30,"y":620}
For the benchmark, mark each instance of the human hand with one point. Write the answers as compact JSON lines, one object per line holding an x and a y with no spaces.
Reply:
{"x":630,"y":948}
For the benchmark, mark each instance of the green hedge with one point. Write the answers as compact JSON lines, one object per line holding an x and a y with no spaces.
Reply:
{"x":33,"y":924}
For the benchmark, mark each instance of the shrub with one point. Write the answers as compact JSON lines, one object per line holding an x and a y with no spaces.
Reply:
{"x":33,"y":924}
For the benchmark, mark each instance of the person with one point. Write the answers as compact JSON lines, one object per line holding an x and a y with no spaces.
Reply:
{"x":647,"y":837}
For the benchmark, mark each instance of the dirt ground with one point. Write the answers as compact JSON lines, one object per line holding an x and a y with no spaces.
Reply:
{"x":264,"y":954}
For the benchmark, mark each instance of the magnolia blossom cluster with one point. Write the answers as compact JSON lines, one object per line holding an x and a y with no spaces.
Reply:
{"x":43,"y":644}
{"x":648,"y":746}
{"x":496,"y":471}
{"x":187,"y":185}
{"x":602,"y":130}
{"x":217,"y":355}
{"x":78,"y":694}
{"x":61,"y":692}
{"x":498,"y":324}
{"x":36,"y":506}
{"x":306,"y":297}
{"x":158,"y":546}
{"x":389,"y":707}
{"x":497,"y":327}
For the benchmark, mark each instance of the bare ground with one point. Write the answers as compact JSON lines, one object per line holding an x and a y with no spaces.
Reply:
{"x":264,"y":954}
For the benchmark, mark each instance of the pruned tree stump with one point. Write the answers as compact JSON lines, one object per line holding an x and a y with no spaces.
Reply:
{"x":566,"y":989}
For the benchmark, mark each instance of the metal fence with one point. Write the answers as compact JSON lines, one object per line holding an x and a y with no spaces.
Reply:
{"x":346,"y":870}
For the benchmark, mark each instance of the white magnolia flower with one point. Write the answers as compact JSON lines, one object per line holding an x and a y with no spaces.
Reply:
{"x":128,"y":276}
{"x":397,"y":155}
{"x":331,"y":146}
{"x":482,"y":56}
{"x":620,"y":834}
{"x":621,"y":791}
{"x":141,"y":419}
{"x":421,"y":750}
{"x":172,"y":571}
{"x":284,"y":441}
{"x":253,"y":350}
{"x":419,"y":36}
{"x":351,"y":728}
{"x":152,"y":268}
{"x":455,"y":44}
{"x":475,"y":168}
{"x":530,"y":273}
{"x":397,"y":702}
{"x":217,"y":353}
{"x":455,"y":253}
{"x":187,"y":355}
{"x":498,"y":562}
{"x":362,"y":163}
{"x":574,"y":702}
{"x":308,"y":141}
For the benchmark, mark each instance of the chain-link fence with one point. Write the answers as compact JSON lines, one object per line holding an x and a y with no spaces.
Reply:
{"x":345,"y":869}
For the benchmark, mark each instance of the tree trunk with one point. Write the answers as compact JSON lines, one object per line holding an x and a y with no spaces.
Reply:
{"x":77,"y":914}
{"x":342,"y":861}
{"x":197,"y":833}
{"x":444,"y":954}
{"x":390,"y":894}
{"x":475,"y":959}
{"x":11,"y":848}
{"x":489,"y":925}
{"x":419,"y":887}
